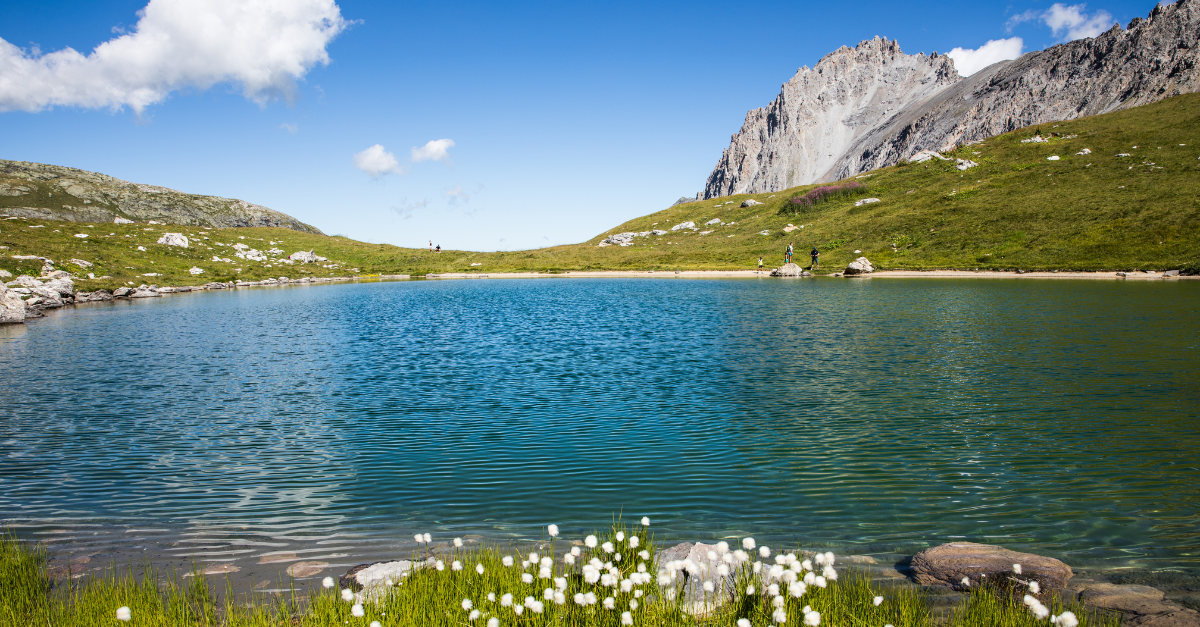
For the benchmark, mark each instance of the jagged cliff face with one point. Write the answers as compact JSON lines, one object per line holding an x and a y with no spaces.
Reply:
{"x":50,"y":192}
{"x":872,"y":106}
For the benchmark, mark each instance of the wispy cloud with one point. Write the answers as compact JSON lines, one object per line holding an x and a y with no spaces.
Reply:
{"x":455,"y":194}
{"x":1068,"y":22}
{"x":434,"y":150}
{"x":291,"y":128}
{"x":377,"y":161}
{"x":968,"y":61}
{"x":263,"y":45}
{"x":405,"y":209}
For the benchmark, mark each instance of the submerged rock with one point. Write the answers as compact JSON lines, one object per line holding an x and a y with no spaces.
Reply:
{"x":949,"y":564}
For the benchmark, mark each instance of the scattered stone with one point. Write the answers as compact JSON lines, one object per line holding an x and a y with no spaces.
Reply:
{"x":5,"y":274}
{"x":965,"y":164}
{"x":926,"y":155}
{"x":81,"y":263}
{"x":866,"y":201}
{"x":750,"y":202}
{"x":194,"y":270}
{"x":142,"y":249}
{"x":1085,"y":151}
{"x":300,"y":570}
{"x":1142,"y":606}
{"x":25,"y":281}
{"x":948,"y":564}
{"x":713,"y":221}
{"x":120,"y":220}
{"x":81,"y":235}
{"x":764,"y":232}
{"x":684,"y":225}
{"x":215,"y":286}
{"x":93,"y":297}
{"x":145,"y":292}
{"x":122,"y":292}
{"x":1171,"y":273}
{"x":858,"y":267}
{"x":304,"y":256}
{"x":619,"y":239}
{"x":789,"y":228}
{"x":174,"y":239}
{"x":1052,"y":158}
{"x":1124,"y":154}
{"x":1036,"y":139}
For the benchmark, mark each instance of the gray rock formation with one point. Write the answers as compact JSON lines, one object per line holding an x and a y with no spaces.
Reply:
{"x":872,"y":106}
{"x":12,"y":308}
{"x":50,"y":192}
{"x":789,"y":270}
{"x":174,"y":239}
{"x":1141,"y":605}
{"x":949,"y":564}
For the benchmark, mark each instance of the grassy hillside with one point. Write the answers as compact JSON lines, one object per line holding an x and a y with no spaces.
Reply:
{"x":1016,"y":209}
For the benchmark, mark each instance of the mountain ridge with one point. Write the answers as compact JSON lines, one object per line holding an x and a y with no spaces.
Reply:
{"x":28,"y":190}
{"x":872,"y":106}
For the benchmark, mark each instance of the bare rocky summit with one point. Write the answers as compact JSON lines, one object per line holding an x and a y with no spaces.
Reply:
{"x":50,"y":192}
{"x":872,"y":106}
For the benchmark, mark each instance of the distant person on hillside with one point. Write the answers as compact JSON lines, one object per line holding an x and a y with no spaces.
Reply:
{"x":816,"y":258}
{"x":430,"y":245}
{"x":438,"y":249}
{"x":788,"y":256}
{"x":760,"y":263}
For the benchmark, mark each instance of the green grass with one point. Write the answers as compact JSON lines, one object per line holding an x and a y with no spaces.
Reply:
{"x":1016,"y":210}
{"x":29,"y":595}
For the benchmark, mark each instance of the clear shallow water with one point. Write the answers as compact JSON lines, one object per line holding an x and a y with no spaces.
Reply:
{"x":873,"y":415}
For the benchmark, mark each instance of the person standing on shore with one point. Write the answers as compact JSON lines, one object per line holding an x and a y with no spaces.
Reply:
{"x":788,"y":256}
{"x":815,"y":258}
{"x":760,"y":263}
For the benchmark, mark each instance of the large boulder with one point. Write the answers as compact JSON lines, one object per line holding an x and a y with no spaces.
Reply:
{"x":174,"y":239}
{"x":46,"y":298}
{"x":144,"y":291}
{"x":63,"y":286}
{"x":1142,"y":606}
{"x":789,"y":270}
{"x":949,"y":564}
{"x":12,"y":308}
{"x":303,"y":256}
{"x":859,"y":267}
{"x":25,"y":281}
{"x":122,"y":292}
{"x":750,"y":202}
{"x":92,"y":297}
{"x":684,"y":225}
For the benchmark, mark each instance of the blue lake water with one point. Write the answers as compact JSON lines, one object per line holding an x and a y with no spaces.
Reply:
{"x":876,"y":416}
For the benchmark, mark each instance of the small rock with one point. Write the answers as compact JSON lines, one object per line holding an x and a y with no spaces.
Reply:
{"x":215,"y":286}
{"x":684,"y":225}
{"x":926,"y":155}
{"x":1036,"y":139}
{"x":764,"y":232}
{"x":25,"y":281}
{"x":750,"y":202}
{"x":120,"y":220}
{"x":81,"y":235}
{"x":173,"y":239}
{"x":866,"y":201}
{"x":1171,"y":273}
{"x":965,"y":164}
{"x":5,"y":274}
{"x":81,"y":263}
{"x":1085,"y":151}
{"x":858,"y":267}
{"x":300,"y":570}
{"x":194,"y":270}
{"x":144,"y":292}
{"x":1052,"y":158}
{"x":303,"y":256}
{"x":713,"y":221}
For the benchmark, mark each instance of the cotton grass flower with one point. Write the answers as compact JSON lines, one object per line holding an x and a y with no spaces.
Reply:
{"x":644,"y":554}
{"x":347,"y":595}
{"x":610,"y":603}
{"x":748,"y":544}
{"x":645,"y":521}
{"x":123,"y":614}
{"x":797,"y":589}
{"x":552,"y":530}
{"x":743,"y":622}
{"x":764,"y":551}
{"x":569,"y":559}
{"x":1036,"y":608}
{"x":757,"y":566}
{"x":1017,"y":568}
{"x":506,"y":600}
{"x":473,"y":616}
{"x":479,"y":568}
{"x":877,"y":601}
{"x":806,"y":565}
{"x":750,"y":590}
{"x":634,"y":541}
{"x":779,"y":615}
{"x":1034,"y":587}
{"x":456,"y":565}
{"x":626,"y":618}
{"x":820,"y":582}
{"x":607,"y":547}
{"x":427,"y":538}
{"x":819,"y":558}
{"x":1066,"y":619}
{"x":356,"y":610}
{"x":829,"y":573}
{"x":376,"y":623}
{"x":518,"y":609}
{"x":507,"y":560}
{"x":590,"y":542}
{"x":812,"y":619}
{"x":327,"y":582}
{"x":418,"y":538}
{"x":620,"y":536}
{"x":579,"y":599}
{"x":440,"y":565}
{"x":491,"y":597}
{"x":467,"y":605}
{"x":559,"y":598}
{"x":809,"y":578}
{"x":829,"y":557}
{"x":527,"y":578}
{"x":708,"y":586}
{"x":458,"y":543}
{"x":966,"y":582}
{"x":773,"y":590}
{"x":493,"y":622}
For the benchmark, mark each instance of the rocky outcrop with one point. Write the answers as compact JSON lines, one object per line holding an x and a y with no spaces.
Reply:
{"x":951,"y":564}
{"x":872,"y":106}
{"x":50,"y":192}
{"x":174,"y":239}
{"x":12,"y":307}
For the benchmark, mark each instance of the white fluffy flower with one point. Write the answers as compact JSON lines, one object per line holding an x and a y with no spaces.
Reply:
{"x":559,"y":598}
{"x":819,"y":558}
{"x":722,"y":547}
{"x":764,"y":551}
{"x":806,"y":565}
{"x":427,"y":538}
{"x":708,"y":586}
{"x":456,"y":565}
{"x":1034,"y":587}
{"x":507,"y":560}
{"x":644,"y":554}
{"x":458,"y":543}
{"x":356,"y":610}
{"x":376,"y":623}
{"x":607,"y":547}
{"x":645,"y":521}
{"x":123,"y":613}
{"x":741,"y":556}
{"x":440,"y":565}
{"x":723,"y":570}
{"x":812,"y":619}
{"x":743,"y":622}
{"x":479,"y":568}
{"x":626,"y":618}
{"x":966,"y":582}
{"x":506,"y":600}
{"x":560,"y":583}
{"x":569,"y":559}
{"x":590,"y":542}
{"x":797,"y":590}
{"x":779,"y":616}
{"x":748,"y":544}
{"x":575,"y":551}
{"x":347,"y":595}
{"x":626,"y":586}
{"x":830,"y":573}
{"x":809,"y":578}
{"x":533,"y":558}
{"x":493,"y":622}
{"x":552,"y":530}
{"x":829,"y":557}
{"x":750,"y":589}
{"x":757,"y":567}
{"x":467,"y":605}
{"x":620,"y":536}
{"x":1017,"y":568}
{"x":633,"y":604}
{"x":518,"y":609}
{"x":610,"y":603}
{"x":327,"y":582}
{"x":474,"y":615}
{"x":773,"y":590}
{"x":877,"y":601}
{"x":634,"y":542}
{"x":526,"y":577}
{"x":1067,"y":619}
{"x":418,"y":538}
{"x":491,"y":597}
{"x":778,"y":601}
{"x":545,"y":573}
{"x":579,"y":599}
{"x":820,"y":582}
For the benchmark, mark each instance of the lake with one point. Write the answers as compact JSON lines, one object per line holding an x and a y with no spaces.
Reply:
{"x":874,"y":416}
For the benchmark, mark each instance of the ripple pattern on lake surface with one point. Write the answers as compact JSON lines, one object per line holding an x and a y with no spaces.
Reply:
{"x":878,"y":415}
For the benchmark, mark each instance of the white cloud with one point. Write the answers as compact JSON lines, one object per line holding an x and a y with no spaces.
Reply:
{"x":1073,"y":20}
{"x":435,"y":150}
{"x":968,"y":61}
{"x":456,"y":194}
{"x":291,"y":128}
{"x":262,"y":45}
{"x":405,"y":209}
{"x":377,"y":161}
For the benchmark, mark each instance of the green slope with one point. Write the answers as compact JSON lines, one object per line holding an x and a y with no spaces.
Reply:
{"x":1016,"y":209}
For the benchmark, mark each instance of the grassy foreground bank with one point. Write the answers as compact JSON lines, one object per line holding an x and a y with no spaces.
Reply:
{"x":1130,"y":201}
{"x":491,"y":587}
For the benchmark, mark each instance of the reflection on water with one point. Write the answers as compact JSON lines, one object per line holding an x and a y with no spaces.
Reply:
{"x":875,"y":415}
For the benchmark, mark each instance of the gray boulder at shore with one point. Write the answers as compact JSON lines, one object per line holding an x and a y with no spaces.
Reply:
{"x":790,"y":270}
{"x":949,"y":564}
{"x":12,"y":308}
{"x":859,"y":267}
{"x":1142,"y":605}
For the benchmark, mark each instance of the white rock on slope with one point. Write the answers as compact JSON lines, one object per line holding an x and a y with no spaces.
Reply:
{"x":174,"y":239}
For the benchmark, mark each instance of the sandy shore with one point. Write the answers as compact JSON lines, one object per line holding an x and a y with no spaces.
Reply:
{"x":753,"y":274}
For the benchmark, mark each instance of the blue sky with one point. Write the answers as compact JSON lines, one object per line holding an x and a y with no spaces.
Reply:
{"x":563,"y":119}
